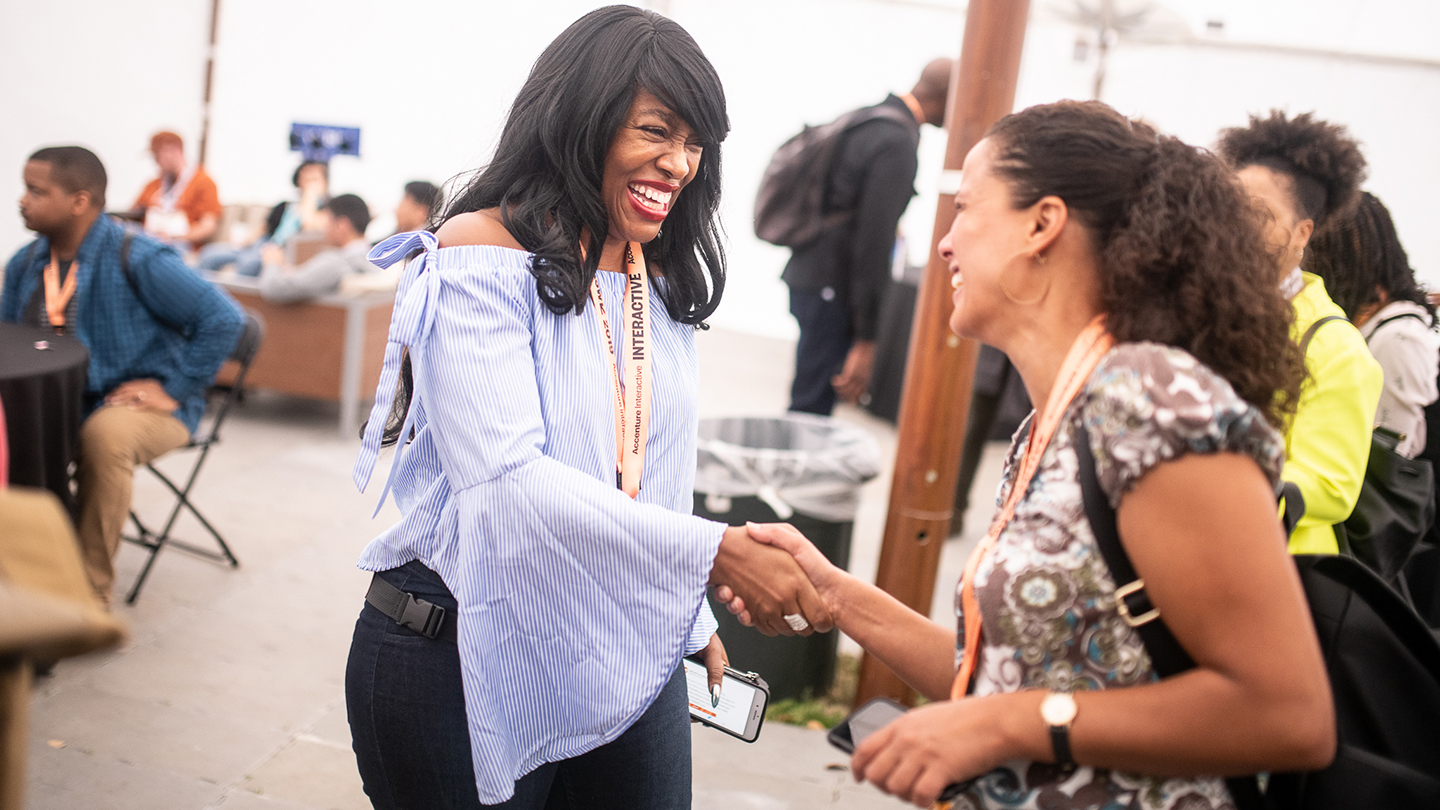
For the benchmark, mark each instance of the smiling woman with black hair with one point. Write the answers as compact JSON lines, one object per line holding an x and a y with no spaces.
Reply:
{"x":522,"y":639}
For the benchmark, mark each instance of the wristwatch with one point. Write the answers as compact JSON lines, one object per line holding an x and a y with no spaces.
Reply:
{"x":1058,"y":711}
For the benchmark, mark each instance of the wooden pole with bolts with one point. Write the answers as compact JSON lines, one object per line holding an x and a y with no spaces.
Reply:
{"x":941,"y":368}
{"x":209,"y":82}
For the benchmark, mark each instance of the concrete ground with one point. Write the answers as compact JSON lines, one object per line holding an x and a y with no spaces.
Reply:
{"x":229,"y":691}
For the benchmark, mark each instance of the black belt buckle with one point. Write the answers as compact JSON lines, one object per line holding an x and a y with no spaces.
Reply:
{"x":423,"y":617}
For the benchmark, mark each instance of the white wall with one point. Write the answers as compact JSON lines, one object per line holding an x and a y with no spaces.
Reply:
{"x":429,"y":81}
{"x":105,"y":75}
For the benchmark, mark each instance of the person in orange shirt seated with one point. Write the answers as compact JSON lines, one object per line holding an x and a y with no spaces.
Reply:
{"x":181,"y":205}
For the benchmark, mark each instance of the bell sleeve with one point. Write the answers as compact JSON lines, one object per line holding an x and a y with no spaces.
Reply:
{"x":575,"y":601}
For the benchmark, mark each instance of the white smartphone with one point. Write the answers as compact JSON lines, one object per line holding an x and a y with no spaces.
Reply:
{"x":743,"y":698}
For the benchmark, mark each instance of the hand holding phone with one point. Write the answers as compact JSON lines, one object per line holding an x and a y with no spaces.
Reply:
{"x":743,"y":698}
{"x":869,"y":719}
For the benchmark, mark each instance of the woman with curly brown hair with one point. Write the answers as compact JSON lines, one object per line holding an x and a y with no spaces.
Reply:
{"x":1301,"y":173}
{"x":1122,"y":273}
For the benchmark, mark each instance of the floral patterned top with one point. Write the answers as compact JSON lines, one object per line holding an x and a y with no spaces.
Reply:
{"x":1046,"y":595}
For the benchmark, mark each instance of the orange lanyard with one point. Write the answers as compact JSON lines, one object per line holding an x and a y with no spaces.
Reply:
{"x":632,"y":399}
{"x":57,"y":297}
{"x":1090,"y":345}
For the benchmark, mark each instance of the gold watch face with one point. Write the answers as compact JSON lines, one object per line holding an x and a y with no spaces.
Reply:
{"x":1058,"y":709}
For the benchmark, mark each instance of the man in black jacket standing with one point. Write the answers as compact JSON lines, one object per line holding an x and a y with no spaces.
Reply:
{"x":837,"y":282}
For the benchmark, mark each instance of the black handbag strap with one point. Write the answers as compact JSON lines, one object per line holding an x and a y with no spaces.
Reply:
{"x":1167,"y":656}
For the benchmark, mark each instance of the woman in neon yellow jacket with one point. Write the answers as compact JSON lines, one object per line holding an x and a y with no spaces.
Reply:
{"x":1300,"y":172}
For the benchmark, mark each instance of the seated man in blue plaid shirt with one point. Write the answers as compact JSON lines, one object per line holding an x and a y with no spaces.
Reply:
{"x":156,"y":332}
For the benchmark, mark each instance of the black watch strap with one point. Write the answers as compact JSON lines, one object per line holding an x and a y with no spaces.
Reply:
{"x":1060,"y":739}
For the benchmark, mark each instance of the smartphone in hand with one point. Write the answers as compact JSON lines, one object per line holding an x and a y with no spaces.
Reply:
{"x":869,"y":719}
{"x":743,"y":698}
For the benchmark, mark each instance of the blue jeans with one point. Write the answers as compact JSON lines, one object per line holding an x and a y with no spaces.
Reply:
{"x":412,"y":743}
{"x":247,"y":260}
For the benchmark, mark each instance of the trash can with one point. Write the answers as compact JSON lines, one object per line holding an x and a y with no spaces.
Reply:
{"x":801,"y":469}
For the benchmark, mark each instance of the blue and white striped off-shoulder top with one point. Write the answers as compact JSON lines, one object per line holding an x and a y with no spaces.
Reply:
{"x":575,"y":602}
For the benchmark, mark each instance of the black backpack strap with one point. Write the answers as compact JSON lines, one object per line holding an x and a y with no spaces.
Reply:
{"x":1294,"y":501}
{"x":125,"y":242}
{"x":1315,"y":327}
{"x":881,"y":112}
{"x":1294,"y":506}
{"x":1134,"y":605}
{"x":1166,"y":655}
{"x":125,"y":263}
{"x":30,"y":309}
{"x":1394,"y":318}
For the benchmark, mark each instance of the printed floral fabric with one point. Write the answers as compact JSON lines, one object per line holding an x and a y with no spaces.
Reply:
{"x":1045,"y":593}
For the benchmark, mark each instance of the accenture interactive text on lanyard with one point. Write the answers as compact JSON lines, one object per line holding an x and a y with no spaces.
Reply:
{"x":632,"y":398}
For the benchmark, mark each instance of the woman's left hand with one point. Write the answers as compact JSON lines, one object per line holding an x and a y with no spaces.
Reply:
{"x":922,"y":752}
{"x":715,"y":661}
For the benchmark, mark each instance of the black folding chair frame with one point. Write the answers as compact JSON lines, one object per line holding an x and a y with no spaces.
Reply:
{"x":244,"y":354}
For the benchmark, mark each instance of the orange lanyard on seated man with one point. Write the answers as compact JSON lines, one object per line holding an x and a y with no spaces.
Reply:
{"x":57,"y":295}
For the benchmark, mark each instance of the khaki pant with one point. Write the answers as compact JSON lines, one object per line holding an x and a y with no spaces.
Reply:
{"x":113,"y":442}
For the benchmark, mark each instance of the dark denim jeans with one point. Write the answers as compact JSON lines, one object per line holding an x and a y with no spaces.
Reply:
{"x":826,"y":336}
{"x":407,"y":723}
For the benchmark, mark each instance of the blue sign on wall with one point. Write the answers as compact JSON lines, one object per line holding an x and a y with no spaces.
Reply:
{"x":322,"y":142}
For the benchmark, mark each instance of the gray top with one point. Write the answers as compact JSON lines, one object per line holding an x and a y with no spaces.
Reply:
{"x":321,"y":275}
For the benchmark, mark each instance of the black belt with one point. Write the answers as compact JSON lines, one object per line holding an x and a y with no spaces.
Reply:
{"x":425,"y":618}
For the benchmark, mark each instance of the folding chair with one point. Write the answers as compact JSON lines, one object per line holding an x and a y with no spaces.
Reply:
{"x":244,"y":354}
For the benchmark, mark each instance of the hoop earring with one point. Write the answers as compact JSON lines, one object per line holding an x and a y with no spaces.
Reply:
{"x":1037,"y":299}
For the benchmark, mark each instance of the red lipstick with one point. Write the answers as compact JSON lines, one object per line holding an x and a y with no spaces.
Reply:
{"x":651,"y":199}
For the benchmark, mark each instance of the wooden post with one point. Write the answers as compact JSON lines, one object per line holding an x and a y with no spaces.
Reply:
{"x":209,"y":81}
{"x":941,"y":367}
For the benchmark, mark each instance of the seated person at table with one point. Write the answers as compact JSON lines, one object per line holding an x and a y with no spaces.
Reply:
{"x":181,"y":205}
{"x":413,"y":212}
{"x":156,"y":333}
{"x":322,"y":273}
{"x":312,"y":179}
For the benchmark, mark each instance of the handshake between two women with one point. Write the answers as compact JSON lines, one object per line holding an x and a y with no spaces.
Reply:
{"x":774,"y":579}
{"x":761,"y":581}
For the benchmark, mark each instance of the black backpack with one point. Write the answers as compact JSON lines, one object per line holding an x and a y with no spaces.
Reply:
{"x":1432,"y":415}
{"x":1395,"y":509}
{"x":1383,"y":663}
{"x":790,"y":207}
{"x":1419,"y":580}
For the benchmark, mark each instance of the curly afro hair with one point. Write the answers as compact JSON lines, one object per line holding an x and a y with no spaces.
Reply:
{"x":1322,"y":161}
